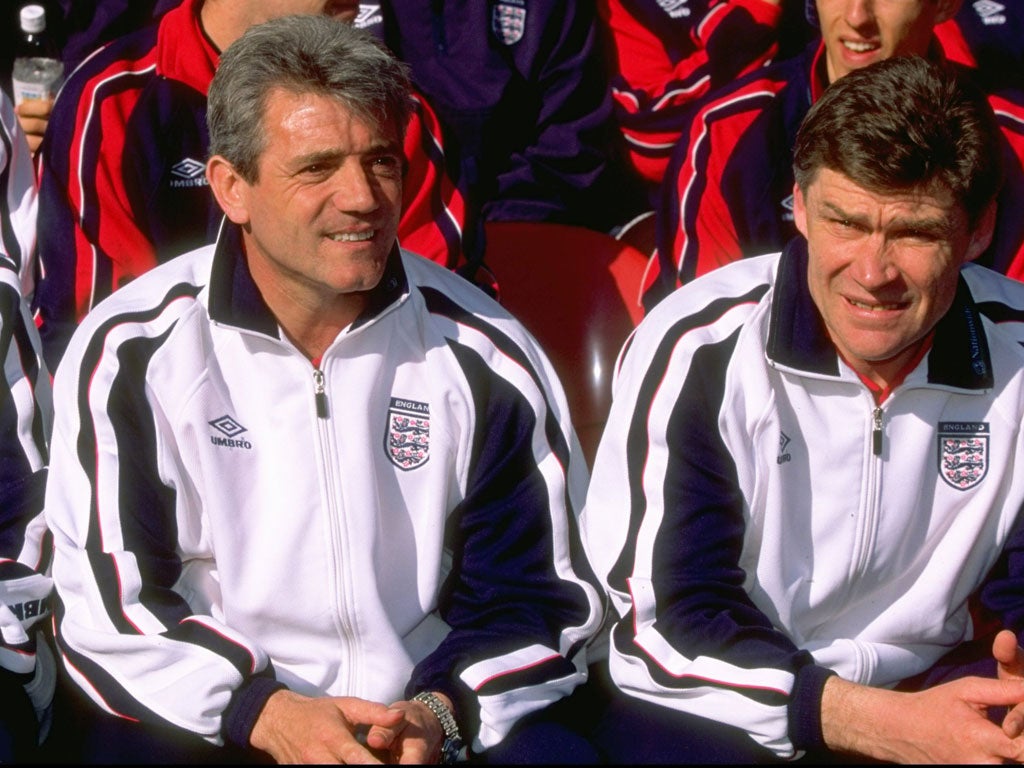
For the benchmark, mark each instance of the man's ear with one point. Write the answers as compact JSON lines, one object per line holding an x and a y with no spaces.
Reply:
{"x":799,"y":210}
{"x":981,"y":234}
{"x":229,"y":188}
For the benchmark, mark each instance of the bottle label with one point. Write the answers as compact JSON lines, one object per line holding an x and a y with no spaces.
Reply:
{"x":26,"y":91}
{"x":36,"y":78}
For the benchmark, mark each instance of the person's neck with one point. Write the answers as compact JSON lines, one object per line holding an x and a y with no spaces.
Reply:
{"x":882,"y":377}
{"x":310,"y":320}
{"x":224,"y":21}
{"x":314,"y":329}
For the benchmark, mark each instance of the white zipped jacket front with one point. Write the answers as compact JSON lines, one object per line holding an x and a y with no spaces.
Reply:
{"x":759,"y":521}
{"x":230,"y":518}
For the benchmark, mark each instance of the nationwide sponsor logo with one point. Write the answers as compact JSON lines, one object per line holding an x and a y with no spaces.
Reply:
{"x":229,"y":434}
{"x":990,"y":12}
{"x":188,"y":173}
{"x":368,"y":16}
{"x":963,"y":453}
{"x":508,"y":21}
{"x":675,"y":8}
{"x":407,"y":437}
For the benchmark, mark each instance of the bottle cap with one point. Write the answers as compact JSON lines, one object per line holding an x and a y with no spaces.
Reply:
{"x":33,"y":19}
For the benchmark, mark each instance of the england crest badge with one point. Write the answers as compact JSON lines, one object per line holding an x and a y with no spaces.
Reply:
{"x":963,"y":453}
{"x":508,"y":20}
{"x":407,"y":437}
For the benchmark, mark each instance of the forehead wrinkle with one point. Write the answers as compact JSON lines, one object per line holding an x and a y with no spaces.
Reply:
{"x":938,"y":224}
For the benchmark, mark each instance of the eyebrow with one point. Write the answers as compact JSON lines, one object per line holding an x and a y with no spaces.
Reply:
{"x":331,"y":155}
{"x":317,"y":157}
{"x":937,"y":226}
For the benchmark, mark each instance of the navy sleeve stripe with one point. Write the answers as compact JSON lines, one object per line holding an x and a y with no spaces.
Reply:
{"x":639,"y":438}
{"x":442,"y":304}
{"x":105,"y":570}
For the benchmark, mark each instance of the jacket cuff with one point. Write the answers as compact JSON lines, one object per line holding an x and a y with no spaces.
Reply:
{"x":805,"y":708}
{"x":245,"y":707}
{"x":467,"y":713}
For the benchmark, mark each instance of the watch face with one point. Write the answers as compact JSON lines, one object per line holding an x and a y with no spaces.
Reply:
{"x":450,"y":750}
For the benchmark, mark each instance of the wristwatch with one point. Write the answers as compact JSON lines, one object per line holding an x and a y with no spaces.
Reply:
{"x":452,"y":746}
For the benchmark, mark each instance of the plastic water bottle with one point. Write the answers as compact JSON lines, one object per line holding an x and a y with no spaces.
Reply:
{"x":38,"y":71}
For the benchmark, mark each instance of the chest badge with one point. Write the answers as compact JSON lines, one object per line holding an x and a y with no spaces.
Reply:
{"x":963,"y":453}
{"x":407,"y":439}
{"x":508,"y":21}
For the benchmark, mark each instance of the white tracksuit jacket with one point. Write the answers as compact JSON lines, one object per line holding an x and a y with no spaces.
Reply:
{"x":19,"y":198}
{"x":25,"y":422}
{"x":758,"y":521}
{"x":229,"y":518}
{"x":25,"y":419}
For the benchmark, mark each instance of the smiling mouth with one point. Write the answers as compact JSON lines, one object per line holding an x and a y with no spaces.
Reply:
{"x":875,"y":307}
{"x":352,"y":237}
{"x":859,"y":47}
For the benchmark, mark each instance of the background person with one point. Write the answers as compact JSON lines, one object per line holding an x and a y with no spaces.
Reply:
{"x":530,"y":135}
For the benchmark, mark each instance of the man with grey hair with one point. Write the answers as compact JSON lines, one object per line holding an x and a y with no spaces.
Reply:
{"x":122,"y":183}
{"x":314,"y":495}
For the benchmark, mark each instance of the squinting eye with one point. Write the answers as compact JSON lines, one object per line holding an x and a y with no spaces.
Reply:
{"x":387,"y":165}
{"x":920,"y":235}
{"x":316,"y":169}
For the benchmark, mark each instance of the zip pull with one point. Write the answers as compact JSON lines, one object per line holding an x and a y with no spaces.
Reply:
{"x":320,"y":392}
{"x":876,"y":432}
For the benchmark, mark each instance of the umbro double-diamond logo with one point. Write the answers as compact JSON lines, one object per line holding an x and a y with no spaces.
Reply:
{"x":369,"y":15}
{"x":787,"y":208}
{"x":990,"y":12}
{"x":188,"y":173}
{"x":230,"y":431}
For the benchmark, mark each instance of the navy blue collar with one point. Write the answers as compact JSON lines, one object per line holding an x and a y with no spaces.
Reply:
{"x":798,"y":339}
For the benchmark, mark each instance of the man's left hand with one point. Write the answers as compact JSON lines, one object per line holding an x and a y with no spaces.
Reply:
{"x":415,"y":740}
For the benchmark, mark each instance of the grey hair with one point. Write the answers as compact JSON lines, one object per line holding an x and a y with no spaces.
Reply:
{"x":301,"y":54}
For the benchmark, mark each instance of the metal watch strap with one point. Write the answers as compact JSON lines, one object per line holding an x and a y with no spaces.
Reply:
{"x":452,"y":738}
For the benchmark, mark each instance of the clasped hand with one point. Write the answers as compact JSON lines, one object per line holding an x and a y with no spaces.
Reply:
{"x":345,"y":730}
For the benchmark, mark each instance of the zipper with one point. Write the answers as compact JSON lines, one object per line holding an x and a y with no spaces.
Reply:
{"x":320,"y":394}
{"x":866,"y":527}
{"x":330,"y":462}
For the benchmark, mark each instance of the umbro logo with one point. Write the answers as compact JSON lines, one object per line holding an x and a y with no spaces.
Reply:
{"x":990,"y":12}
{"x":787,"y":208}
{"x":368,"y":16}
{"x":188,"y":173}
{"x":784,"y":455}
{"x":230,"y":429}
{"x":675,"y":8}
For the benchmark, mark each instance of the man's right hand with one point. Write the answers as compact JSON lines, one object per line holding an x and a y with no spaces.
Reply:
{"x":298,"y":729}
